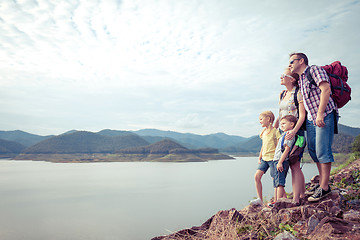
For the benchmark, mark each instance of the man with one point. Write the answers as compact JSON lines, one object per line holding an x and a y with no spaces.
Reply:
{"x":321,"y":116}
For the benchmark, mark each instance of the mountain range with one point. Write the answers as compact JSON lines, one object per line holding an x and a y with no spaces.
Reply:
{"x":108,"y":141}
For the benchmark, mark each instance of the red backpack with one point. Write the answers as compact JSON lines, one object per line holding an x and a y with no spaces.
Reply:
{"x":340,"y":90}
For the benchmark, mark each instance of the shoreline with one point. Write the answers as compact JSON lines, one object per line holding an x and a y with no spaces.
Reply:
{"x":108,"y":157}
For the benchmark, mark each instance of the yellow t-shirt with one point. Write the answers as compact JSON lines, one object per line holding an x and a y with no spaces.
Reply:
{"x":269,"y":142}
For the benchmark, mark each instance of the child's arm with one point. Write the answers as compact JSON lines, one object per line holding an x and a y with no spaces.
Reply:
{"x":260,"y":155}
{"x":279,"y":166}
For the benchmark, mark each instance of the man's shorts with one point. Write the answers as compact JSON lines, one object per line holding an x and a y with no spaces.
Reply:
{"x":319,"y":140}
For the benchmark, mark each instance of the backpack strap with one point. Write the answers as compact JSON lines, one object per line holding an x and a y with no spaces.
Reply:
{"x":283,"y":140}
{"x":282,"y":94}
{"x":282,"y":143}
{"x":310,"y":78}
{"x":296,"y":100}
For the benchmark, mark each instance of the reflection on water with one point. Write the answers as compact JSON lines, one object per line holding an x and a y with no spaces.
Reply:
{"x":42,"y":200}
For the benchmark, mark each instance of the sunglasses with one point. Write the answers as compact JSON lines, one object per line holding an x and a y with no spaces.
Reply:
{"x":285,"y":75}
{"x":294,"y":60}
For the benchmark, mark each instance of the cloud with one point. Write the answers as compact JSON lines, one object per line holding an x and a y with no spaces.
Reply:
{"x":199,"y":66}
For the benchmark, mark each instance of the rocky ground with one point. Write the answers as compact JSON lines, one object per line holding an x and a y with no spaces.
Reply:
{"x":337,"y":216}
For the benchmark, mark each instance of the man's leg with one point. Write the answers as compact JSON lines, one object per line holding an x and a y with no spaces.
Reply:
{"x":324,"y":140}
{"x":325,"y":175}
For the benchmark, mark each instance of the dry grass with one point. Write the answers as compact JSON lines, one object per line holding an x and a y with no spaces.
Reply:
{"x":252,"y":226}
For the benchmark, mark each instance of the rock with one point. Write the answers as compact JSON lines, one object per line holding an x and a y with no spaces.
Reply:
{"x":301,"y":227}
{"x":335,"y":228}
{"x":225,"y":217}
{"x":354,"y":203}
{"x":315,"y":180}
{"x":285,"y":236}
{"x":352,"y":215}
{"x":312,"y":223}
{"x":283,"y":203}
{"x":222,"y":218}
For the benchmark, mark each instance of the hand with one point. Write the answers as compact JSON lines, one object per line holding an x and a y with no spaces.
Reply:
{"x":290,"y":135}
{"x":279,"y":167}
{"x":259,"y":161}
{"x":320,"y":120}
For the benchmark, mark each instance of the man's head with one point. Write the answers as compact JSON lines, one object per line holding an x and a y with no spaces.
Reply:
{"x":298,"y":62}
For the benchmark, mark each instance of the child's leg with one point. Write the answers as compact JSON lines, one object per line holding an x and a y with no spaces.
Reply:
{"x":258,"y":185}
{"x":275,"y":194}
{"x":280,"y":178}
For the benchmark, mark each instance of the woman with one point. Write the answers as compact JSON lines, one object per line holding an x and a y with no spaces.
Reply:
{"x":287,"y":106}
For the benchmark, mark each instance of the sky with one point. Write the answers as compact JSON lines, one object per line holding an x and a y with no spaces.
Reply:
{"x":191,"y":66}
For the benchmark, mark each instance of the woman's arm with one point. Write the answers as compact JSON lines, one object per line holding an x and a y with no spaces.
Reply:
{"x":302,"y":114}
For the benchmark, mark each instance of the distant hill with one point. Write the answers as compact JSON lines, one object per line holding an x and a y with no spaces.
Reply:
{"x":163,"y":151}
{"x":166,"y":146}
{"x":85,"y":142}
{"x":113,"y":133}
{"x":163,"y":147}
{"x":170,"y":151}
{"x":349,"y":130}
{"x":10,"y":147}
{"x":342,"y":143}
{"x":24,"y":138}
{"x":218,"y":140}
{"x":251,"y":146}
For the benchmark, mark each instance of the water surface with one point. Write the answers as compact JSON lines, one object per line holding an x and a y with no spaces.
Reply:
{"x":129,"y":201}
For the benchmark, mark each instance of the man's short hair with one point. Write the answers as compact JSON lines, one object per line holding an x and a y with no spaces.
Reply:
{"x":301,"y":55}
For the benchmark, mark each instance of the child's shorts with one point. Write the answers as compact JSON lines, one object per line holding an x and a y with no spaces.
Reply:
{"x":265,"y":165}
{"x":280,"y":177}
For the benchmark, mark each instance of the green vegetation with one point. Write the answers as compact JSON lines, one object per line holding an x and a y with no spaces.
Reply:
{"x":287,"y":227}
{"x":356,"y":145}
{"x":349,"y":184}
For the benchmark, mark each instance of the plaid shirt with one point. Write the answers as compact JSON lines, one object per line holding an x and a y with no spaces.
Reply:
{"x":312,"y":93}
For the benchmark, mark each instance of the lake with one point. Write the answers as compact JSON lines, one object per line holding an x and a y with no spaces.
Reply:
{"x":121,"y":200}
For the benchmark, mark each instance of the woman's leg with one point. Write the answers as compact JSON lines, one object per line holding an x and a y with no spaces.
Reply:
{"x":298,"y":182}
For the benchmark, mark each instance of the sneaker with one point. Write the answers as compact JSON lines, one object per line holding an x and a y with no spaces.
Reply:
{"x":271,"y":204}
{"x":312,"y":190}
{"x":319,"y":194}
{"x":256,"y":202}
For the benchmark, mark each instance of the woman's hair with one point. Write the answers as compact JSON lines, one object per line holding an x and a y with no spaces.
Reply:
{"x":290,"y":118}
{"x":294,"y":75}
{"x":268,"y":114}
